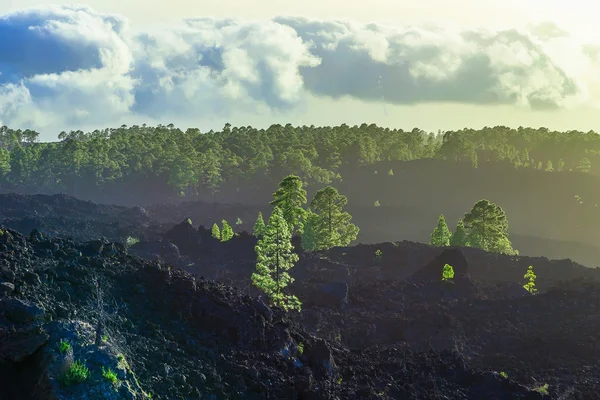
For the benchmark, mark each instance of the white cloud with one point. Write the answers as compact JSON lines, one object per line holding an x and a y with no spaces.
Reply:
{"x":71,"y":66}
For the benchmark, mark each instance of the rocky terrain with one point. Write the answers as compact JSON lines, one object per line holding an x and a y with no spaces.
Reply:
{"x":175,"y":317}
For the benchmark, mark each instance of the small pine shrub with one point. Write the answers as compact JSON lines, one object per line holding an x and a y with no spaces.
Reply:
{"x":63,"y":346}
{"x":504,"y":375}
{"x":376,"y":204}
{"x":378,"y":254}
{"x":109,"y":375}
{"x":76,"y":373}
{"x":300,"y":348}
{"x":130,"y":241}
{"x":447,"y":273}
{"x":530,"y":285}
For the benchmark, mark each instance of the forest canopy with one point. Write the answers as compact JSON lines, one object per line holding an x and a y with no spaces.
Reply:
{"x":191,"y":162}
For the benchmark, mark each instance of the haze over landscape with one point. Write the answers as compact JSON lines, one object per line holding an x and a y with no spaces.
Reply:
{"x":312,"y":200}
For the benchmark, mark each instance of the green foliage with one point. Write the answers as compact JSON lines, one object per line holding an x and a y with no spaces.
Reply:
{"x":76,"y":373}
{"x":109,"y":375}
{"x":447,"y":273}
{"x":459,"y":237}
{"x":530,"y":276}
{"x":130,"y":241}
{"x":549,"y":167}
{"x":376,"y":204}
{"x":300,"y":348}
{"x":64,"y":346}
{"x":238,"y":221}
{"x":332,"y":224}
{"x":543,"y":389}
{"x":390,"y":172}
{"x":216,"y":232}
{"x":378,"y":254}
{"x":290,"y":199}
{"x":274,"y":259}
{"x":226,"y":232}
{"x":193,"y":162}
{"x":441,"y":234}
{"x":487,"y":228}
{"x":189,"y":221}
{"x":259,"y":225}
{"x":584,"y":165}
{"x":311,"y":233}
{"x":504,"y":375}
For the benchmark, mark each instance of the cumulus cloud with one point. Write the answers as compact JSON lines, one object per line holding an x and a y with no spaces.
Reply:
{"x":72,"y":66}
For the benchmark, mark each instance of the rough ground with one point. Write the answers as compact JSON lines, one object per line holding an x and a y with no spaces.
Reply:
{"x":371,"y":327}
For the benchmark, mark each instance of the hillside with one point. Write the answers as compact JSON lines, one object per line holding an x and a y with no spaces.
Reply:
{"x":185,"y":336}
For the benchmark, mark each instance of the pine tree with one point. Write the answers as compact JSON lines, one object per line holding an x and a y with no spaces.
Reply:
{"x":391,"y":172}
{"x":487,"y":228}
{"x":333,"y":226}
{"x":216,"y":232}
{"x":259,"y":225}
{"x":441,"y":234}
{"x":549,"y":167}
{"x":310,"y":235}
{"x":290,"y":197}
{"x":274,"y":259}
{"x":238,"y":221}
{"x":561,"y":165}
{"x":459,"y":237}
{"x":226,"y":232}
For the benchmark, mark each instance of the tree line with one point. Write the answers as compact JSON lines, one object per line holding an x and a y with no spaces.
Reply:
{"x":191,"y":162}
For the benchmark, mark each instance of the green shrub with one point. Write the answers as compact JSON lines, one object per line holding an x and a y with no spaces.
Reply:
{"x":130,"y":241}
{"x":447,"y":273}
{"x":504,"y":375}
{"x":76,"y":373}
{"x":64,"y":346}
{"x":542,"y":389}
{"x":530,"y":285}
{"x":109,"y":375}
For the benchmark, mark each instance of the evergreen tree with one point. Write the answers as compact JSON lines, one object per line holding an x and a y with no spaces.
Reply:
{"x":310,"y":234}
{"x":238,"y":221}
{"x":584,"y":165}
{"x":487,"y":228}
{"x":274,"y":259}
{"x":441,"y":234}
{"x":259,"y":225}
{"x":333,"y":225}
{"x":561,"y":165}
{"x":391,"y":172}
{"x":459,"y":237}
{"x":226,"y":232}
{"x":289,"y":198}
{"x":549,"y":167}
{"x":216,"y":232}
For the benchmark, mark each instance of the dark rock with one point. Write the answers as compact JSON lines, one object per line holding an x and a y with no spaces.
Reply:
{"x":20,"y":311}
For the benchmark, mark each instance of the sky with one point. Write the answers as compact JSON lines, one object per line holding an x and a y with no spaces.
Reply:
{"x":432,"y":64}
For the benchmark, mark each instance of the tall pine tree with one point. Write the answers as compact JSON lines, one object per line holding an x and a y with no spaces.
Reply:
{"x":259,"y":225}
{"x":290,"y":199}
{"x":441,"y":234}
{"x":333,"y":226}
{"x":310,"y":234}
{"x":274,"y":259}
{"x":487,"y":228}
{"x":459,"y":237}
{"x":216,"y":232}
{"x":226,"y":232}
